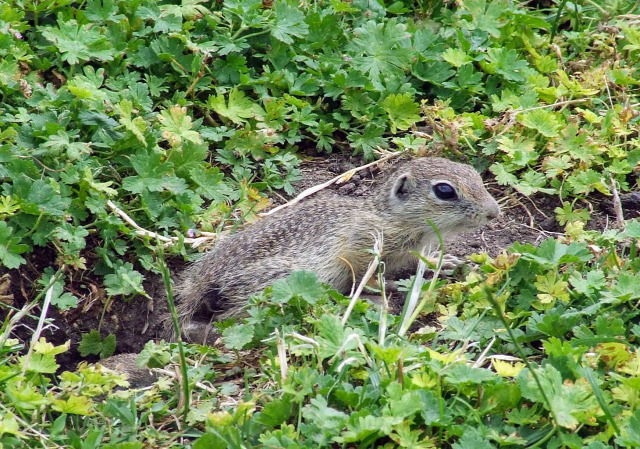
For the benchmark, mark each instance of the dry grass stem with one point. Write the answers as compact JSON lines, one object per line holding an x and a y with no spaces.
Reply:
{"x":344,"y":177}
{"x":36,"y":335}
{"x":282,"y":356}
{"x":617,"y":205}
{"x":194,"y":242}
{"x":373,"y":266}
{"x":525,"y":208}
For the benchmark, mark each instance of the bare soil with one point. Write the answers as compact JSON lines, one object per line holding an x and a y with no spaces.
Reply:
{"x":526,"y":220}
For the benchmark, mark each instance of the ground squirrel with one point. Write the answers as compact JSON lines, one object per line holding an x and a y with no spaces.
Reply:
{"x":321,"y":232}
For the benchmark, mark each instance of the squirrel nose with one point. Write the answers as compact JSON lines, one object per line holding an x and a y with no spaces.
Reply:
{"x":493,"y":211}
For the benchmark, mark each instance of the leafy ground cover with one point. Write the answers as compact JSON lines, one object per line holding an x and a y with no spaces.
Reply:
{"x":187,"y":115}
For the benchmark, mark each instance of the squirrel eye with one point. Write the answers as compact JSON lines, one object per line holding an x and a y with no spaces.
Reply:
{"x":445,"y":191}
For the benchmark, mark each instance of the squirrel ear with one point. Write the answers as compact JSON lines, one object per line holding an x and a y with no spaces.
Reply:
{"x":402,"y":186}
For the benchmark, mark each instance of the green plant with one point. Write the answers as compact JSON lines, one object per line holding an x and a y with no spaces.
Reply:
{"x":181,"y":117}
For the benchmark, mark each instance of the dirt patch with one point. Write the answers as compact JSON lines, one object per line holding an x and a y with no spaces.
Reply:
{"x":526,"y":220}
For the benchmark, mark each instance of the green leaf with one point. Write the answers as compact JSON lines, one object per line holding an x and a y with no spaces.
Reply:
{"x":461,"y":373}
{"x":486,"y":16}
{"x":9,"y":425}
{"x":436,"y":72}
{"x":503,"y":174}
{"x":176,"y":126}
{"x":583,"y":182}
{"x":210,"y":183}
{"x":567,"y":214}
{"x":402,"y":110}
{"x":41,"y":363}
{"x":153,"y":356}
{"x":631,"y":432}
{"x":408,"y":436}
{"x":402,"y":404}
{"x":187,"y":157}
{"x":275,"y":412}
{"x":65,"y":301}
{"x":552,"y":253}
{"x":300,"y":284}
{"x":556,"y":324}
{"x":26,"y":397}
{"x":332,"y":335}
{"x":632,"y":228}
{"x":531,"y":182}
{"x":363,"y":428}
{"x":572,"y":403}
{"x":456,"y":57}
{"x":102,"y":11}
{"x":77,"y":42}
{"x":545,"y":122}
{"x":8,"y":206}
{"x":592,"y":282}
{"x":75,"y":405}
{"x":209,"y":440}
{"x":153,"y":175}
{"x":75,"y":235}
{"x":125,"y":281}
{"x":93,"y":344}
{"x":381,"y":51}
{"x":36,"y":197}
{"x":103,"y":187}
{"x":506,"y":63}
{"x":625,"y":288}
{"x":471,"y":439}
{"x":137,"y":126}
{"x":285,"y":436}
{"x":10,"y":247}
{"x":237,"y":336}
{"x":327,"y":420}
{"x":522,"y":151}
{"x":61,"y":143}
{"x":238,"y":109}
{"x":126,"y":445}
{"x":59,"y":298}
{"x":88,"y":86}
{"x":289,"y":21}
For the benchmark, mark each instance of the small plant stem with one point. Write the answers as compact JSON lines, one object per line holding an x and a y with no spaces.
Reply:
{"x":257,"y":33}
{"x":35,"y":226}
{"x":166,"y":278}
{"x":553,"y":105}
{"x":587,"y":373}
{"x":498,"y":310}
{"x":554,"y":28}
{"x":173,"y":60}
{"x":35,"y":14}
{"x":472,"y":412}
{"x":440,"y":407}
{"x":239,"y":32}
{"x":546,"y":438}
{"x":598,"y":7}
{"x":198,"y":76}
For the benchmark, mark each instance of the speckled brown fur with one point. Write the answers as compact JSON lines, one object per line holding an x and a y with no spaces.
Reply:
{"x":320,"y":232}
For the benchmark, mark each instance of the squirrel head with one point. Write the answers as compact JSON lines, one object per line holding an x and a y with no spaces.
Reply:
{"x":449,"y":194}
